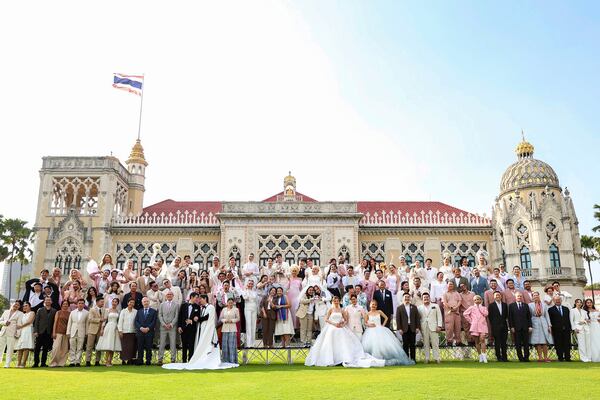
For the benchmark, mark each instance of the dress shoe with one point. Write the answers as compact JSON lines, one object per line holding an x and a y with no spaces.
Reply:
{"x":88,"y":364}
{"x":34,"y":366}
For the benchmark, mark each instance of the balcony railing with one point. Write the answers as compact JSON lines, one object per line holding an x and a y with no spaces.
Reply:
{"x":397,"y":218}
{"x":185,"y":218}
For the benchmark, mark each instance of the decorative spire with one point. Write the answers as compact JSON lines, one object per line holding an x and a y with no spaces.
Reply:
{"x":289,"y":187}
{"x":524,"y":149}
{"x":137,"y":154}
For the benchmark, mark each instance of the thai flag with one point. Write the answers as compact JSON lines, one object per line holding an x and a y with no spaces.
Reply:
{"x":130,"y":83}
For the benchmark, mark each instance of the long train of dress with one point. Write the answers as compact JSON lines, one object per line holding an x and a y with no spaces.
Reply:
{"x":207,"y":354}
{"x":381,"y":343}
{"x":339,"y":346}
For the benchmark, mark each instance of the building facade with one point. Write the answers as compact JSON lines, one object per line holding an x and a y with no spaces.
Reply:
{"x":89,"y":206}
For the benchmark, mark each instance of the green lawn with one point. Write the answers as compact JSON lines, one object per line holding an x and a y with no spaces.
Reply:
{"x":451,"y":380}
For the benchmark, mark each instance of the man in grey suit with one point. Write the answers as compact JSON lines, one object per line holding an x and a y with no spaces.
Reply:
{"x":168,"y":312}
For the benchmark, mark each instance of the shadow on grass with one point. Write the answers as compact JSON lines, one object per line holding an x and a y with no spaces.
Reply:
{"x":276,"y":368}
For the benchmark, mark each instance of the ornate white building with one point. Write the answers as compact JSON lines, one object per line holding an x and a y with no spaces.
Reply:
{"x":89,"y":206}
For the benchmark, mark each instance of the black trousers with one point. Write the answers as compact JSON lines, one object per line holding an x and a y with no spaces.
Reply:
{"x":522,"y":344}
{"x":187,"y":346}
{"x":43,"y":344}
{"x":562,"y":343}
{"x":144,"y":344}
{"x":500,"y":338}
{"x":409,"y":341}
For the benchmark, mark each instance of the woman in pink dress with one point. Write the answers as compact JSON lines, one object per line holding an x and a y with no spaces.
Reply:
{"x":476,"y":315}
{"x":294,"y":287}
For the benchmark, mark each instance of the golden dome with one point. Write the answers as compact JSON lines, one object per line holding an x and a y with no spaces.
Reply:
{"x":137,"y":154}
{"x":527,"y":172}
{"x":524,"y":149}
{"x":289,"y":180}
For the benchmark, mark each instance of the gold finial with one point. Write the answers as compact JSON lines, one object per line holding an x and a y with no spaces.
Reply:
{"x":524,"y":149}
{"x":137,"y":154}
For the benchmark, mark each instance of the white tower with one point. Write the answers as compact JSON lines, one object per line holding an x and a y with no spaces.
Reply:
{"x":535,"y":226}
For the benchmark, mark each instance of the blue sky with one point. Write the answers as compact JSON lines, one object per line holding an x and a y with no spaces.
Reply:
{"x":461,"y":79}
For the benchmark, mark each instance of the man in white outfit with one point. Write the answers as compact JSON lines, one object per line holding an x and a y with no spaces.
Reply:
{"x":9,"y":321}
{"x":250,"y":270}
{"x":431,"y":325}
{"x":356,"y":316}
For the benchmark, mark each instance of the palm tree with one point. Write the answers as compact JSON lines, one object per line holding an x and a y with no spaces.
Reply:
{"x":597,"y":216}
{"x":20,"y":283}
{"x":3,"y":249}
{"x":589,"y":245}
{"x":16,"y":237}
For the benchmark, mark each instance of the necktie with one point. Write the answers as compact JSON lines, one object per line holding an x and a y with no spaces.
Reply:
{"x":145,"y":312}
{"x":560,"y":310}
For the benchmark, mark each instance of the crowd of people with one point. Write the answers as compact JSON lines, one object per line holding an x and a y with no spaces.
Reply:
{"x":369,"y":313}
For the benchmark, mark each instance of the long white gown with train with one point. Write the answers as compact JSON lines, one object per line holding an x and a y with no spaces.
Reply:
{"x":207,"y":354}
{"x":381,"y":343}
{"x":339,"y":346}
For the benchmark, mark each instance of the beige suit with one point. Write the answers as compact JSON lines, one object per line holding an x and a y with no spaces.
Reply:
{"x":76,"y":329}
{"x":7,"y":333}
{"x":94,"y":326}
{"x":306,"y":319}
{"x":431,"y":321}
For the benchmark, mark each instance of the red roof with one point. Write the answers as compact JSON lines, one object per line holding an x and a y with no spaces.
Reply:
{"x":214,"y":207}
{"x":305,"y":198}
{"x":172,"y":206}
{"x":410,"y":207}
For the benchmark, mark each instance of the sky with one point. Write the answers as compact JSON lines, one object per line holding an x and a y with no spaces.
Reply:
{"x":361,"y":100}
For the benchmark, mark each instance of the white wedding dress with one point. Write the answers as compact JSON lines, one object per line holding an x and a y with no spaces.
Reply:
{"x":381,"y":343}
{"x":207,"y":354}
{"x":339,"y":346}
{"x":595,"y":336}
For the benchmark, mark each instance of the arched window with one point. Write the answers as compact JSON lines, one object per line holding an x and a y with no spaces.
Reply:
{"x":235,"y":253}
{"x":525,"y":260}
{"x":554,"y":260}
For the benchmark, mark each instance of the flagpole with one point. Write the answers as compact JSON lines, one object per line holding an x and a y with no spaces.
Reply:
{"x":141,"y":107}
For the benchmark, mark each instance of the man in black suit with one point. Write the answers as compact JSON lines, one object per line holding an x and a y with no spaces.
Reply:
{"x":408,"y":322}
{"x":519,"y":320}
{"x":189,"y":314}
{"x":42,"y":331}
{"x":384,"y":300}
{"x":498,"y":317}
{"x":133,"y":294}
{"x":561,"y":329}
{"x":43,"y":279}
{"x":145,"y":323}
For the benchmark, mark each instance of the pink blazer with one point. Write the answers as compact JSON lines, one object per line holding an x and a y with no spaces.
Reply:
{"x":477,"y":317}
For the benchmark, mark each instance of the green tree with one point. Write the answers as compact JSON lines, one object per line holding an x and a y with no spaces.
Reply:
{"x":589,"y":245}
{"x":16,"y":237}
{"x":4,"y":303}
{"x":20,"y":283}
{"x":597,"y":216}
{"x":3,"y":249}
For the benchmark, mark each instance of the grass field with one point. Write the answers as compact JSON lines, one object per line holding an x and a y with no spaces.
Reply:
{"x":451,"y":380}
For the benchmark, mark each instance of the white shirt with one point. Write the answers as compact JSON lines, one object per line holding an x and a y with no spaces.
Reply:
{"x":499,"y":304}
{"x":407,"y":308}
{"x":437,"y":290}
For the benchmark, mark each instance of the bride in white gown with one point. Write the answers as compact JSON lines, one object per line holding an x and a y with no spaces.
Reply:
{"x":594,"y":330}
{"x":336,"y":344}
{"x":380,"y":342}
{"x":207,"y":354}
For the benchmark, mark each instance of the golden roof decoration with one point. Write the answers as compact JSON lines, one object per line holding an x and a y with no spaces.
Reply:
{"x":524,"y":149}
{"x":137,"y":154}
{"x":289,"y":180}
